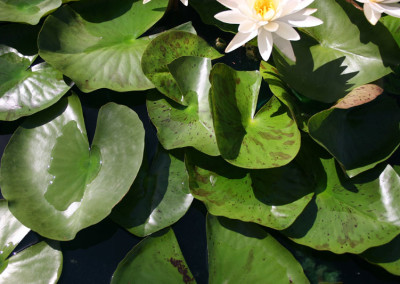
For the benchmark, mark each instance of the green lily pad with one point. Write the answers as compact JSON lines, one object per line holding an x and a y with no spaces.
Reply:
{"x":156,"y":259}
{"x":40,"y":263}
{"x":27,"y":11}
{"x":181,"y":126}
{"x":386,"y":256}
{"x":266,"y":139}
{"x":97,"y":43}
{"x":392,"y":24}
{"x":349,"y":215}
{"x":345,"y":52}
{"x":245,"y":253}
{"x":159,"y":197}
{"x":359,"y":137}
{"x":166,"y":48}
{"x":27,"y":89}
{"x":55,"y":183}
{"x":12,"y":232}
{"x":273,"y":197}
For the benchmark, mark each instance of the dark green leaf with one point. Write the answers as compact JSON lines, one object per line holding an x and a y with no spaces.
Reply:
{"x":345,"y":52}
{"x":244,"y":253}
{"x":159,"y":197}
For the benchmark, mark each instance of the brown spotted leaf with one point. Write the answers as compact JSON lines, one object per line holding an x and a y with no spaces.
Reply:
{"x":156,"y":259}
{"x":359,"y":96}
{"x":266,"y":139}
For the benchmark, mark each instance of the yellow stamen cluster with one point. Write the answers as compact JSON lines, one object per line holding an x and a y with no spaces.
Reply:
{"x":264,"y":7}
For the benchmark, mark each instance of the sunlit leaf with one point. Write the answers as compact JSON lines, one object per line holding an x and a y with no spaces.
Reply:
{"x":181,"y":126}
{"x":97,"y":43}
{"x":156,"y":259}
{"x":242,"y":134}
{"x":241,"y":252}
{"x":55,"y":183}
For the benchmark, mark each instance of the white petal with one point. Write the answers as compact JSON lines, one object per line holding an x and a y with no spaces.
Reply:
{"x":239,"y":39}
{"x":231,"y":17}
{"x":247,"y":26}
{"x":287,"y":32}
{"x":185,"y":2}
{"x":231,"y":4}
{"x":310,"y":21}
{"x":271,"y":27}
{"x":265,"y":44}
{"x":392,"y":10}
{"x":146,"y":1}
{"x":372,"y":15}
{"x":303,"y":4}
{"x":284,"y":46}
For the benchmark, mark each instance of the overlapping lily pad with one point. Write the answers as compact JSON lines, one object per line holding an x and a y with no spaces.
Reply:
{"x":40,"y":263}
{"x":361,"y":136}
{"x":166,"y":48}
{"x":244,"y":253}
{"x":181,"y":126}
{"x":27,"y":11}
{"x":266,"y":139}
{"x":346,"y":51}
{"x":97,"y":43}
{"x":350,"y":215}
{"x":27,"y":89}
{"x":156,"y":259}
{"x":159,"y":197}
{"x":272,"y":197}
{"x":55,"y":183}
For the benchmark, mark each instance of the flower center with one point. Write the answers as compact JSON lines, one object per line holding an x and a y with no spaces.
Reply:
{"x":265,"y":8}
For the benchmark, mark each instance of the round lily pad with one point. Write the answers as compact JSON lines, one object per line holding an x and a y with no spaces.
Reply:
{"x":159,"y":197}
{"x":40,"y":263}
{"x":156,"y":259}
{"x":345,"y":52}
{"x":24,"y":88}
{"x":55,"y":182}
{"x":266,"y":139}
{"x":349,"y":215}
{"x":97,"y":43}
{"x":166,"y":48}
{"x":191,"y":125}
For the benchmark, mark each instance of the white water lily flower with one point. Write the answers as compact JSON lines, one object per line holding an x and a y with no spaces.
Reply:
{"x":374,"y":8}
{"x":271,"y":20}
{"x":185,"y":2}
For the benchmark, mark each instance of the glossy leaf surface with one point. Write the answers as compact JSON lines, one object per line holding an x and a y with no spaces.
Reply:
{"x":350,"y":215}
{"x":241,"y":252}
{"x":243,"y":134}
{"x":181,"y":126}
{"x":28,"y":12}
{"x":166,"y":48}
{"x":96,"y":43}
{"x":272,"y":198}
{"x":26,"y":89}
{"x":359,"y":137}
{"x":40,"y":263}
{"x":159,"y":197}
{"x":346,"y":51}
{"x":55,"y":183}
{"x":156,"y":259}
{"x":11,"y":233}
